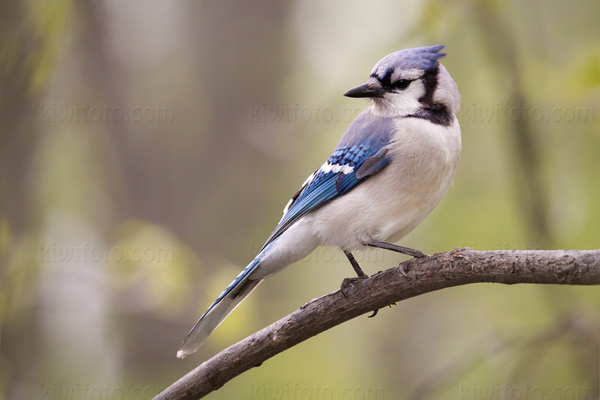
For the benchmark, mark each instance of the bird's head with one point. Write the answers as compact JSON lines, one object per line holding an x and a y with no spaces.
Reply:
{"x":409,"y":81}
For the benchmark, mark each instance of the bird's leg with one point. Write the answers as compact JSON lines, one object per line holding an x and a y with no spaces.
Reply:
{"x":361,"y":276}
{"x":398,"y":249}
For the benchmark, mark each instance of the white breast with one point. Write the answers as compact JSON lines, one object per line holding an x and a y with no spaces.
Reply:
{"x":393,"y":202}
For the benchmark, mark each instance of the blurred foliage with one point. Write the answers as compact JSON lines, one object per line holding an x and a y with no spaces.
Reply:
{"x":147,"y":267}
{"x":138,"y":178}
{"x":49,"y":21}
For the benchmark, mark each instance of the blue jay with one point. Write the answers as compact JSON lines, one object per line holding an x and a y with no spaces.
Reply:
{"x":391,"y":168}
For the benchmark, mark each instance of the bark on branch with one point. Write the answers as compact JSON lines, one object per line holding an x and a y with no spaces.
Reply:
{"x":454,"y":268}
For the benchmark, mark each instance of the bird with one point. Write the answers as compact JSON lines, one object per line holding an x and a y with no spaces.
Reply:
{"x":390,"y":169}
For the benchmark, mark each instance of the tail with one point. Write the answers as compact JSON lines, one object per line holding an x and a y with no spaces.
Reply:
{"x":227,"y":301}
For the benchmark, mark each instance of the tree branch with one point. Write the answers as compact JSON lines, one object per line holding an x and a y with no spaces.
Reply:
{"x":454,"y":268}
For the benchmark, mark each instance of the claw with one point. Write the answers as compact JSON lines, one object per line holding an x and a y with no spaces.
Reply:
{"x":402,"y":271}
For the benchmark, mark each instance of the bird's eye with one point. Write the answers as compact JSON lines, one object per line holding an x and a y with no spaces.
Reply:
{"x":402,"y":84}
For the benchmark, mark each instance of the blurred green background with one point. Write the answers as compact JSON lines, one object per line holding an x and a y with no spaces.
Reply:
{"x":147,"y":149}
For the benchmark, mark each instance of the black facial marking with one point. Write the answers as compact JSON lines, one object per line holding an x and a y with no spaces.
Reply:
{"x":438,"y":114}
{"x":434,"y":112}
{"x":430,"y":83}
{"x":386,"y":81}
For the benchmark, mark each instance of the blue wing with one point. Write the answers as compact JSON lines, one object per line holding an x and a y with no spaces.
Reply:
{"x":360,"y":154}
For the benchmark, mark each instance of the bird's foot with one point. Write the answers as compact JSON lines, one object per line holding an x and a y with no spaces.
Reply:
{"x":347,"y":282}
{"x":351,"y":281}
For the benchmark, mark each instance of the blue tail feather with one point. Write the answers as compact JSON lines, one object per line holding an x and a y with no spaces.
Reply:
{"x":227,"y":301}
